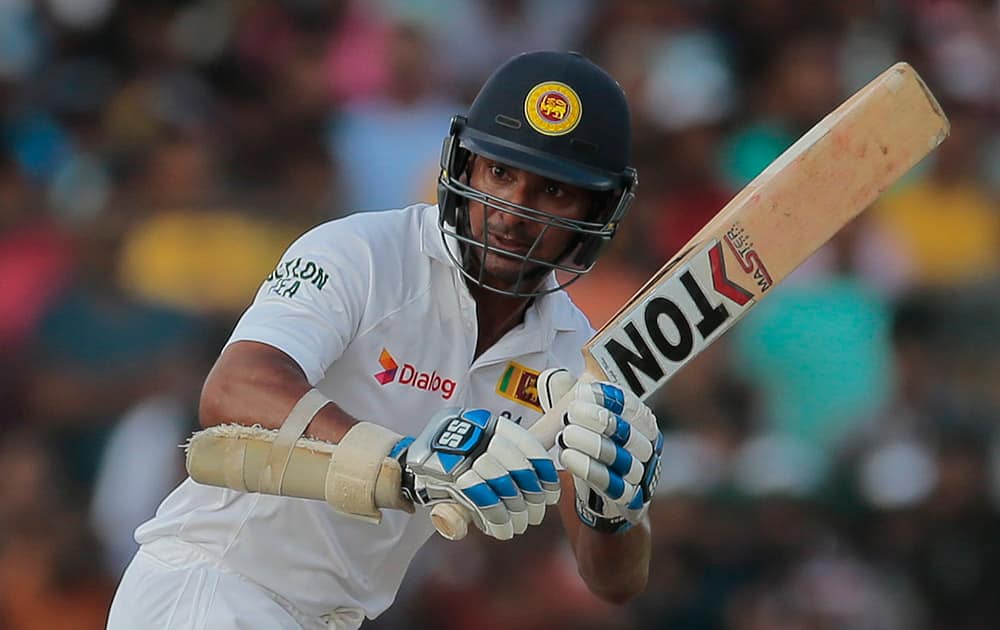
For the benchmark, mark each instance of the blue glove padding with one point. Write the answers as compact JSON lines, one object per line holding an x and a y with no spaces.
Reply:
{"x":611,"y":445}
{"x":490,"y":465}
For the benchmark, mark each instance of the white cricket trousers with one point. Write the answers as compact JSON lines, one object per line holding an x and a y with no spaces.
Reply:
{"x":172,"y":588}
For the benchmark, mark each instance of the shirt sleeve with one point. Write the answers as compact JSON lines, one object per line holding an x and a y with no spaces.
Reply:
{"x":311,"y":305}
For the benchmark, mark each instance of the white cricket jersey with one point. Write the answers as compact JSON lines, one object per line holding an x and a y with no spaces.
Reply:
{"x":380,"y":320}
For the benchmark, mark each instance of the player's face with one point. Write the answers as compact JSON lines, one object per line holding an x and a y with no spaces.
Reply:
{"x":509,"y":233}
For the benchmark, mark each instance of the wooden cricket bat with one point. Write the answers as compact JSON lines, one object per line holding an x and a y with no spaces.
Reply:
{"x":828,"y":177}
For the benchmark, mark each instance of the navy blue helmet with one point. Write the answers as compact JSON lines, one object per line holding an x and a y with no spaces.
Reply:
{"x":560,"y":116}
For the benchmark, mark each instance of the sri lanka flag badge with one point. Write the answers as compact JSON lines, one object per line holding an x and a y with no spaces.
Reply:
{"x":520,"y":384}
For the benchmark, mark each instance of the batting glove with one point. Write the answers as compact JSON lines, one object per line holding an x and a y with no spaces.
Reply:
{"x":611,"y":445}
{"x":488,"y":464}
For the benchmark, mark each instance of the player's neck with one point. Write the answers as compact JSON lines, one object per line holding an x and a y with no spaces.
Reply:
{"x":496,"y":315}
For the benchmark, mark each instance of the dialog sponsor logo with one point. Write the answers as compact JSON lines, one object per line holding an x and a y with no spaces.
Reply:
{"x":408,"y":374}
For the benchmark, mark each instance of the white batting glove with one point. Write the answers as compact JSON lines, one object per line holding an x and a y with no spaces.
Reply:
{"x":611,"y":445}
{"x":490,"y":465}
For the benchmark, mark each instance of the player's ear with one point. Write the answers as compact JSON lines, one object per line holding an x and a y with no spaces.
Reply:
{"x":587,"y":249}
{"x":468,"y":163}
{"x":455,"y":161}
{"x":600,"y":205}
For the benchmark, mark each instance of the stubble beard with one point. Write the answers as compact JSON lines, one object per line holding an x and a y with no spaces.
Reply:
{"x":505,"y":270}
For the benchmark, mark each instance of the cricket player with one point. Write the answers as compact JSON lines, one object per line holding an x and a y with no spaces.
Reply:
{"x":433,"y":334}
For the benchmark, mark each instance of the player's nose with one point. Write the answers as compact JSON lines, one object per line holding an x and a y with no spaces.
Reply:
{"x":510,"y":216}
{"x":517,"y":194}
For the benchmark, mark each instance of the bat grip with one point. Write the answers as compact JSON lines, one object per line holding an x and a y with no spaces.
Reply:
{"x":451,"y":520}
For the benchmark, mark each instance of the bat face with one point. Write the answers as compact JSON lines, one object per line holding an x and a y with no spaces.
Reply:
{"x":829,"y":176}
{"x":693,"y":304}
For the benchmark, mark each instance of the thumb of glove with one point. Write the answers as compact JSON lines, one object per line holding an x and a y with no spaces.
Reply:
{"x":553,"y":384}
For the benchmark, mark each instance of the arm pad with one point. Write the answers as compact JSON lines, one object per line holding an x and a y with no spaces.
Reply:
{"x":234,"y":456}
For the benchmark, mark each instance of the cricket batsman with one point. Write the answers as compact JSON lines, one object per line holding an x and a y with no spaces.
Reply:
{"x":431,"y":335}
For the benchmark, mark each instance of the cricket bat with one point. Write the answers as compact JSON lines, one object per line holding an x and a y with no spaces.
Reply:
{"x":819,"y":184}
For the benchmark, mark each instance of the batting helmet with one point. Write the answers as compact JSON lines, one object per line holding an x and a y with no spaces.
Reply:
{"x":557,"y":115}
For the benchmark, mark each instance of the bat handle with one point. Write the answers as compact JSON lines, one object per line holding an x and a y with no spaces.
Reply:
{"x":451,"y":520}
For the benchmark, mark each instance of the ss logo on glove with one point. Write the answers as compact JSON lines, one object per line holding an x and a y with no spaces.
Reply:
{"x":463,"y":434}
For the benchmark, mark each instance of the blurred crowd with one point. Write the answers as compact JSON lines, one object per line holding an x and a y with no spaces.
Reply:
{"x":832,"y":463}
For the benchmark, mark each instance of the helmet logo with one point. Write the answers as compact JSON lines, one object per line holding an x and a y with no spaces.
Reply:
{"x":552,"y":108}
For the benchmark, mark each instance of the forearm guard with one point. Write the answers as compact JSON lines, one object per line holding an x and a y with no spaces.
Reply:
{"x":355,"y":477}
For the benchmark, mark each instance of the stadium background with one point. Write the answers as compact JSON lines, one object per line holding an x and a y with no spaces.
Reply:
{"x":833,"y":463}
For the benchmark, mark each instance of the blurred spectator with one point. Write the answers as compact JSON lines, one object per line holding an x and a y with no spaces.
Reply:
{"x":693,"y":193}
{"x":50,"y":574}
{"x":472,"y":38}
{"x":35,"y":260}
{"x":799,"y":84}
{"x":387,"y":149}
{"x":818,"y":355}
{"x":33,"y":483}
{"x":920,"y":344}
{"x":138,"y":468}
{"x":946,"y":222}
{"x":941,"y":537}
{"x":828,"y":590}
{"x":689,"y":82}
{"x":471,"y":586}
{"x":190,"y":251}
{"x":709,"y":400}
{"x":96,"y":352}
{"x":918,"y":469}
{"x":963,"y":35}
{"x":357,"y":65}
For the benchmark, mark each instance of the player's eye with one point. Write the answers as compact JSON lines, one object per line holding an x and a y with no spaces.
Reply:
{"x":498,"y":171}
{"x":554,"y":189}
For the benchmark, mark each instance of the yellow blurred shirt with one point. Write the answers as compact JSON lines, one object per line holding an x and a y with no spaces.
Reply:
{"x":202,"y":261}
{"x":951,"y":233}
